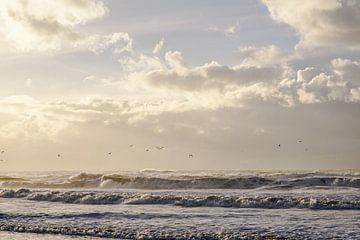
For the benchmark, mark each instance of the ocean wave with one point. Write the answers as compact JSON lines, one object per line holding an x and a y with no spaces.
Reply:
{"x":321,"y":181}
{"x":74,"y":197}
{"x":152,"y":170}
{"x":129,"y":233}
{"x":186,"y":200}
{"x":154,"y":179}
{"x":191,"y":182}
{"x":262,"y":202}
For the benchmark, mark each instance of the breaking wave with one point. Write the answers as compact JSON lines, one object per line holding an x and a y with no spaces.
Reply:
{"x":126,"y":233}
{"x":156,"y":179}
{"x":185,"y":200}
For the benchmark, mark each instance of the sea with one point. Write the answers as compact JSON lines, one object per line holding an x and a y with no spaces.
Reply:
{"x":167,"y":204}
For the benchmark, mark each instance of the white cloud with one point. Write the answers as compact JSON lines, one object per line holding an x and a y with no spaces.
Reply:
{"x":269,"y":55}
{"x":28,"y":118}
{"x":355,"y":95}
{"x":39,"y":25}
{"x":322,"y":22}
{"x":43,"y":25}
{"x":173,"y":72}
{"x":348,"y":70}
{"x":172,"y":86}
{"x":228,"y":31}
{"x":263,"y":74}
{"x":119,"y":42}
{"x":158,"y":46}
{"x":339,"y":83}
{"x":237,"y":84}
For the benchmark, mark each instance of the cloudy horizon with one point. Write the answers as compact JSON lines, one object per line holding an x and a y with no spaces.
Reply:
{"x":242,"y":85}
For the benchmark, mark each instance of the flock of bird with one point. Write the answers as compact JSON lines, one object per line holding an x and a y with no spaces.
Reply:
{"x":190,"y":155}
{"x":146,"y":150}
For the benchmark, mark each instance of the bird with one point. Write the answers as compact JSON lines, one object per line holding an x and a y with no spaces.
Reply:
{"x":109,"y":153}
{"x":58,"y":155}
{"x":2,"y":151}
{"x":279,"y":145}
{"x":300,"y":141}
{"x":159,"y":147}
{"x":1,"y":160}
{"x":147,"y":150}
{"x":190,"y":155}
{"x":131,"y":145}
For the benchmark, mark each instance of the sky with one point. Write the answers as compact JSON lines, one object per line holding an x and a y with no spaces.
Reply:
{"x":226,"y":81}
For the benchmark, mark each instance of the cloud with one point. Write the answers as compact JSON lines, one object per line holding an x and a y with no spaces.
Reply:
{"x":269,"y":55}
{"x":46,"y":24}
{"x":118,"y":42}
{"x":174,"y":72}
{"x":322,"y":23}
{"x":348,"y":70}
{"x":173,"y":87}
{"x":228,"y":31}
{"x":208,"y":86}
{"x":339,"y":83}
{"x":30,"y":119}
{"x":158,"y":46}
{"x":94,"y":79}
{"x":170,"y":85}
{"x":43,"y":25}
{"x":264,"y":74}
{"x":255,"y":78}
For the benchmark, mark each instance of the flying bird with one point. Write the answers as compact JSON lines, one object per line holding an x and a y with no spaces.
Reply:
{"x":300,"y":141}
{"x":131,"y":145}
{"x":58,"y":155}
{"x":109,"y":153}
{"x":159,"y":147}
{"x":279,"y":145}
{"x":147,"y":150}
{"x":190,"y":155}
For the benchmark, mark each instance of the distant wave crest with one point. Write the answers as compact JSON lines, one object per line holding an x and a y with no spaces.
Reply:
{"x":154,"y":179}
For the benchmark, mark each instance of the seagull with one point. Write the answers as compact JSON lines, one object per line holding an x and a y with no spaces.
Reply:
{"x":300,"y":141}
{"x":147,"y":150}
{"x":159,"y":148}
{"x":190,"y":155}
{"x":109,"y":153}
{"x":279,"y":145}
{"x":58,"y":155}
